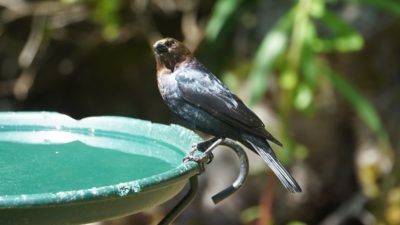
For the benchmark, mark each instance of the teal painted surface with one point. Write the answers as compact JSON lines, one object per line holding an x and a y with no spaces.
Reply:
{"x":103,"y":167}
{"x":34,"y":168}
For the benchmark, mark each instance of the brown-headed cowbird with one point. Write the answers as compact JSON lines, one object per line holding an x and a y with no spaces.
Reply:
{"x":198,"y":97}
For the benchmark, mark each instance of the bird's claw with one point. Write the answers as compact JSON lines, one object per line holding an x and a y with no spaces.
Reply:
{"x":191,"y":157}
{"x":203,"y":158}
{"x":210,"y":157}
{"x":194,"y":147}
{"x":205,"y":148}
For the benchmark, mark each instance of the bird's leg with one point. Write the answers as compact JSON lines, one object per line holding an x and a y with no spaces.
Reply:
{"x":203,"y":146}
{"x":206,"y":147}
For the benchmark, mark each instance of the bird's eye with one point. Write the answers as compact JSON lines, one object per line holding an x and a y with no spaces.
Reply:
{"x":170,"y":43}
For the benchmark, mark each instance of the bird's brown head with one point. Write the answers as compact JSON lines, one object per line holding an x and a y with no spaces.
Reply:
{"x":170,"y":53}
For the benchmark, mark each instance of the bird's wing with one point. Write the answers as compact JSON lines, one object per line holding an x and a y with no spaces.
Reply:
{"x":204,"y":90}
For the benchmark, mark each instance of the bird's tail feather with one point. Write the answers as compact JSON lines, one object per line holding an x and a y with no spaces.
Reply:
{"x":266,"y":153}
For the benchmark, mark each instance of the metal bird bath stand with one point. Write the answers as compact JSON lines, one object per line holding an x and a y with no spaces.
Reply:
{"x":203,"y":159}
{"x":57,"y":170}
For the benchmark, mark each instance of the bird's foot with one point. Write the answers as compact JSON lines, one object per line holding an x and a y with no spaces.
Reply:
{"x":206,"y":148}
{"x":200,"y":159}
{"x":206,"y":157}
{"x":203,"y":158}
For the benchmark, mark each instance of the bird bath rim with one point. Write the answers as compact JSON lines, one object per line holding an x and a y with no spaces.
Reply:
{"x":103,"y":201}
{"x":49,"y":121}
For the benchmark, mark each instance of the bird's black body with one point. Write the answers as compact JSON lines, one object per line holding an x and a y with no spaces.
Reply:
{"x":195,"y":95}
{"x":182,"y":93}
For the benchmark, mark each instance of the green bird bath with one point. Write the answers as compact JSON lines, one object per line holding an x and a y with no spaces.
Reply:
{"x":57,"y":170}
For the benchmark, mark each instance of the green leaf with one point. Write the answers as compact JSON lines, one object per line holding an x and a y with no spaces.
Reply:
{"x":387,"y":5}
{"x":347,"y":38}
{"x":250,"y":214}
{"x":317,"y":8}
{"x":303,"y":100}
{"x":296,"y":223}
{"x":222,"y":12}
{"x":272,"y":46}
{"x":288,"y":79}
{"x":106,"y":14}
{"x":231,"y":80}
{"x":308,"y":65}
{"x":301,"y":152}
{"x":364,"y":109}
{"x":304,"y":97}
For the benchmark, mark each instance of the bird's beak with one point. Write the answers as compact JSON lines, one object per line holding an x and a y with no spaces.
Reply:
{"x":160,"y":48}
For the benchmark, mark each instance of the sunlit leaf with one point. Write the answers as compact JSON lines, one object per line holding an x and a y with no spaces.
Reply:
{"x":273,"y":45}
{"x":296,"y":223}
{"x":305,"y":91}
{"x":301,"y":152}
{"x":222,"y":12}
{"x":231,"y":80}
{"x":351,"y":42}
{"x":317,"y":8}
{"x":308,"y":67}
{"x":301,"y":31}
{"x":346,"y":38}
{"x":288,"y":79}
{"x":392,"y":214}
{"x":106,"y":14}
{"x":250,"y":214}
{"x":69,"y":1}
{"x":303,"y":98}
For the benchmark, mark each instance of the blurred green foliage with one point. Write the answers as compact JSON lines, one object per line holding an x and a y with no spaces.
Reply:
{"x":221,"y":15}
{"x":292,"y":49}
{"x":391,"y":6}
{"x":106,"y":14}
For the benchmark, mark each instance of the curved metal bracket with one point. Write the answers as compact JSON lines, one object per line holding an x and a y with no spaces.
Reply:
{"x":182,"y":204}
{"x":243,"y":171}
{"x":206,"y":158}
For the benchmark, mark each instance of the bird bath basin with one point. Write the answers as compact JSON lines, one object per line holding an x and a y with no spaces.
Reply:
{"x":57,"y":170}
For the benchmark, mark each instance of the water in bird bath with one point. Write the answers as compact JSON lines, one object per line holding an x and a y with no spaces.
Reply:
{"x":57,"y":170}
{"x":71,"y":166}
{"x":50,"y":161}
